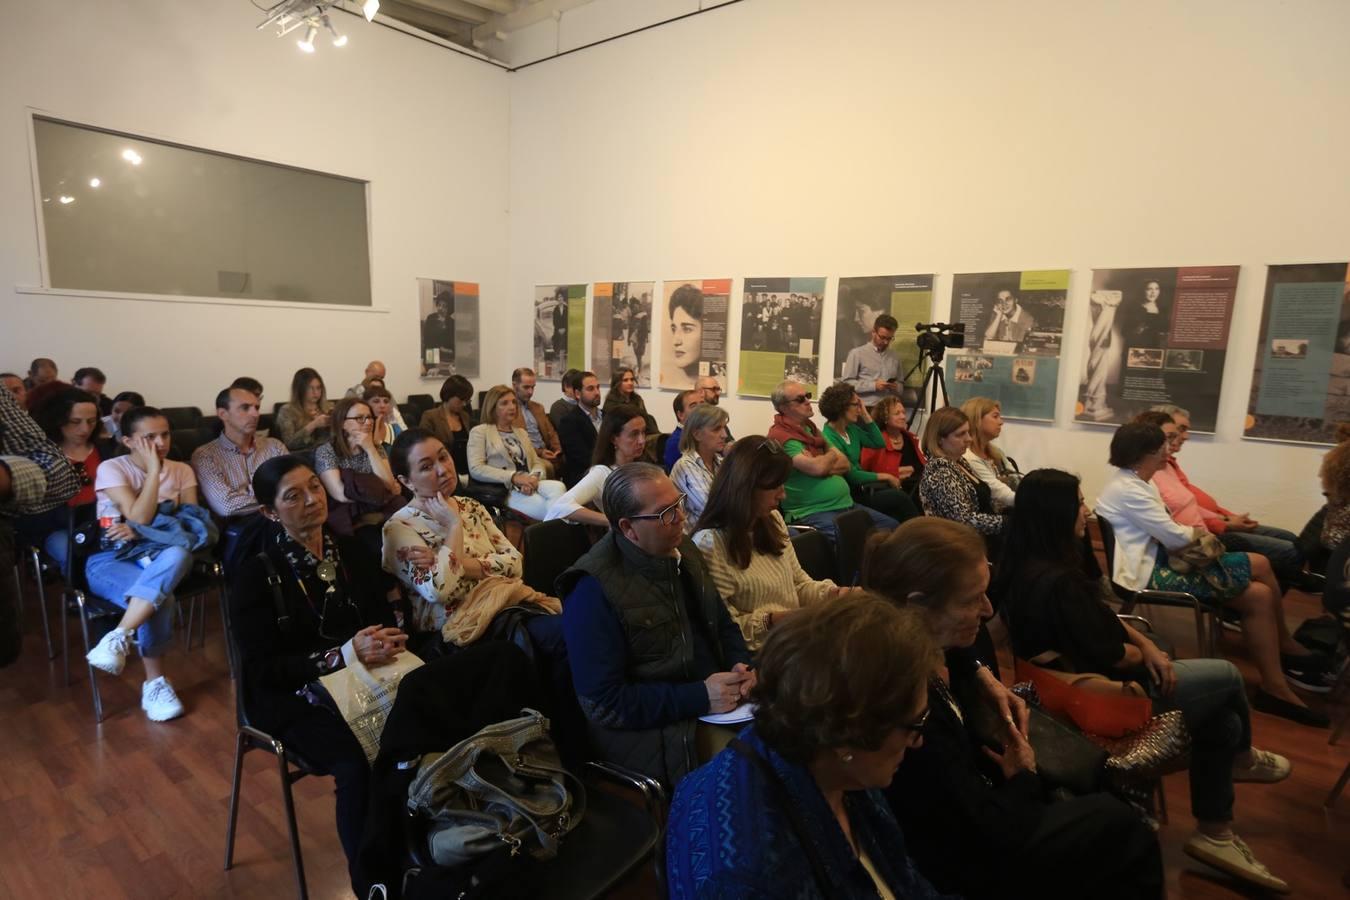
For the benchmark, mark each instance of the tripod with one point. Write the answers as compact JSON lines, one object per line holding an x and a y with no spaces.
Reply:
{"x":933,"y":382}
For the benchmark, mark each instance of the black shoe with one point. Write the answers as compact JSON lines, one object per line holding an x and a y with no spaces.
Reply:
{"x":1310,"y":582}
{"x":1268,"y":703}
{"x":1312,"y":672}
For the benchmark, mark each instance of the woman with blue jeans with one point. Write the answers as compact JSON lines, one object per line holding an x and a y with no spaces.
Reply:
{"x":1051,"y":605}
{"x":130,"y":490}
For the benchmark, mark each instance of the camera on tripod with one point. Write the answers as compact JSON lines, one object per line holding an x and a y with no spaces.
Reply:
{"x":935,"y":338}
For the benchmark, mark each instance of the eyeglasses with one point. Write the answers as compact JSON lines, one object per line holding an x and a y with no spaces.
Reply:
{"x":361,"y":419}
{"x":918,"y":724}
{"x":770,"y":444}
{"x":668,"y":516}
{"x":804,"y":398}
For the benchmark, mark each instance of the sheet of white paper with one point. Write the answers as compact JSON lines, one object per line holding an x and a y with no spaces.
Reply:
{"x":738,"y":716}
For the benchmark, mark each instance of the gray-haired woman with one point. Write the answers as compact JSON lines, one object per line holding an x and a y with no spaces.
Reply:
{"x":701,"y":445}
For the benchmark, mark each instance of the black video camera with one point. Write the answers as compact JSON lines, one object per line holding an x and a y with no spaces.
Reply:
{"x":936,"y":337}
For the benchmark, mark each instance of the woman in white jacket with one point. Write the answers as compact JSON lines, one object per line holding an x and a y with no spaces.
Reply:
{"x":986,"y":460}
{"x":1142,"y":524}
{"x":500,"y":453}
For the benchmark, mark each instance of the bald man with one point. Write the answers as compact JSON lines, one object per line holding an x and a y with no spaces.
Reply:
{"x":374,"y":369}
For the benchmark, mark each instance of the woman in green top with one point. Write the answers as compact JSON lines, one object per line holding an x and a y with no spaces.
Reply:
{"x":848,"y":428}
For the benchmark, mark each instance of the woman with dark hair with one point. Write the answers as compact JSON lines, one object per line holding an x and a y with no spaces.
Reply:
{"x":124,"y":401}
{"x":745,"y":542}
{"x":70,"y":420}
{"x":1146,"y":320}
{"x":355,"y":472}
{"x":623,"y":392}
{"x":130,"y":490}
{"x":622,"y":439}
{"x":388,"y":424}
{"x":685,"y":310}
{"x":900,"y":454}
{"x":950,"y":489}
{"x":449,"y":422}
{"x":330,"y":595}
{"x":959,"y":800}
{"x":1051,"y":605}
{"x":305,"y":422}
{"x":848,"y":428}
{"x":793,"y":808}
{"x":1145,"y":531}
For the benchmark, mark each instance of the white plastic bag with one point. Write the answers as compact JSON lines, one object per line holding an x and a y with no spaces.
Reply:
{"x":364,"y":696}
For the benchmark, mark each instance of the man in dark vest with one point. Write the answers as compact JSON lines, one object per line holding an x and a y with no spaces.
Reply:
{"x":649,"y":639}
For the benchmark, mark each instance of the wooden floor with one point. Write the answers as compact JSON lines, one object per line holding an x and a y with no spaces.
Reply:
{"x":137,"y":809}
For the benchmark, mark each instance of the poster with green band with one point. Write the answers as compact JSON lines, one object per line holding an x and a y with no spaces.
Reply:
{"x":559,"y":329}
{"x":780,"y":333}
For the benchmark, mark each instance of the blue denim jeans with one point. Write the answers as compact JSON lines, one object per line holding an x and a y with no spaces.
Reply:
{"x":120,"y":580}
{"x":824,"y":521}
{"x":1275,"y":544}
{"x":1213,"y":701}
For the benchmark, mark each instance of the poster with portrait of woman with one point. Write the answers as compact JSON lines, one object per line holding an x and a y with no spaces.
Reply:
{"x":621,"y":329}
{"x":1301,"y":387}
{"x":694,"y":331}
{"x":448,"y":327}
{"x":559,"y":329}
{"x":780,"y":333}
{"x":1155,"y":336}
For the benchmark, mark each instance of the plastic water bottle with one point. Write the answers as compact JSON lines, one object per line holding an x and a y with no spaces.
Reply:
{"x":105,"y":542}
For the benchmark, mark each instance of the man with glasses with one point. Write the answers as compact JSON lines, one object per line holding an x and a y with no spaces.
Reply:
{"x":872,"y":369}
{"x":816,"y":491}
{"x":649,"y":639}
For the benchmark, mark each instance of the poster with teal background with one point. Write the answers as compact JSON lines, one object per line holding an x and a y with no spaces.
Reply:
{"x":1301,"y":384}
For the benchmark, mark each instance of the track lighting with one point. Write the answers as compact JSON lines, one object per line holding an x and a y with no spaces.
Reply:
{"x":369,"y":9}
{"x":311,"y":15}
{"x":339,"y":40}
{"x":307,"y":44}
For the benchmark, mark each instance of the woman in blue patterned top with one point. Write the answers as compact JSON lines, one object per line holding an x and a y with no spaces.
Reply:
{"x":792,"y":809}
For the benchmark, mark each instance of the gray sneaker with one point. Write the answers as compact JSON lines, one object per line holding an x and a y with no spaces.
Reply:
{"x":159,"y":700}
{"x":1236,"y":858}
{"x":110,"y":654}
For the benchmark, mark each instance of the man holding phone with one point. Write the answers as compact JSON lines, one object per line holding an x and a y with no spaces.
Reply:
{"x":873,"y":371}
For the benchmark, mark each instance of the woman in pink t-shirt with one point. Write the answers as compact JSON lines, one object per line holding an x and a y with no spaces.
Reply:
{"x":130,"y":489}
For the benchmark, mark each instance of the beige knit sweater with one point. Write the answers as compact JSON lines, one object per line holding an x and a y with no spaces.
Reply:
{"x":770,"y":584}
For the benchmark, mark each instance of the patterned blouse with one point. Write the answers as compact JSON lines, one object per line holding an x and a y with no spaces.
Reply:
{"x":436,"y":591}
{"x":951,"y":490}
{"x":692,"y":478}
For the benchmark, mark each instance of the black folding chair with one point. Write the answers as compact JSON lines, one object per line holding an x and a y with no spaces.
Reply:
{"x":853,"y":527}
{"x":815,"y":554}
{"x":290,"y":766}
{"x":182,"y":416}
{"x":549,"y":549}
{"x":1204,"y":637}
{"x":83,"y":543}
{"x":42,"y":564}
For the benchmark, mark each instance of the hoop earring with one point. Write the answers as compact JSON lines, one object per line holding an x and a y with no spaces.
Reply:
{"x":846,"y":758}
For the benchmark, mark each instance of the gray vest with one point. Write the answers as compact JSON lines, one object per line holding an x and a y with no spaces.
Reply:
{"x":648,"y":594}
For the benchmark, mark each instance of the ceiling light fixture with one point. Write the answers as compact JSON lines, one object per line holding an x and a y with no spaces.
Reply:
{"x":94,"y":182}
{"x":311,"y":15}
{"x":339,"y":40}
{"x":66,"y":198}
{"x":307,"y":43}
{"x":131,"y":156}
{"x":369,"y":9}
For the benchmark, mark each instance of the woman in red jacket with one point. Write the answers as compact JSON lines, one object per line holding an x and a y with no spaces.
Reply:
{"x":902,"y":455}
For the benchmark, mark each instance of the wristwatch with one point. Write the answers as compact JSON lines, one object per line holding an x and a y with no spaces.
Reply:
{"x":332,"y":660}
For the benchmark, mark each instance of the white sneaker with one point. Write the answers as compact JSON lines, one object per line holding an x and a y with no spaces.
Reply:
{"x":1234,"y":857}
{"x":159,"y":701}
{"x":1266,"y":768}
{"x":110,"y":654}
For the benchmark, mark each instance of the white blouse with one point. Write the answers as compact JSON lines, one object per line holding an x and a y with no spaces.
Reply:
{"x":586,"y":492}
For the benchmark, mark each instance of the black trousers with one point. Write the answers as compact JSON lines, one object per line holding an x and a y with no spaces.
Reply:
{"x":328,"y":745}
{"x":11,"y":638}
{"x":896,"y":504}
{"x":1093,"y":846}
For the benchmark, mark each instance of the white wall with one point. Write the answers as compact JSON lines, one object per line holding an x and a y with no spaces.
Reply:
{"x":427,"y":127}
{"x":872,"y":137}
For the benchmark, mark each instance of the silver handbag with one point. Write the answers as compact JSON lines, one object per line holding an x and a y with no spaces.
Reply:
{"x":503,"y":785}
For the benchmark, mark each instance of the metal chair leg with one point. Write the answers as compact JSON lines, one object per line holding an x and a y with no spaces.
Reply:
{"x":285,"y":771}
{"x":65,"y":635}
{"x":234,"y":799}
{"x":1338,"y":787}
{"x":93,"y":676}
{"x":42,"y":602}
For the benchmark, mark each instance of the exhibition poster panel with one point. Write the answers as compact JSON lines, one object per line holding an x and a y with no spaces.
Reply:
{"x":1301,"y":385}
{"x":448,"y":313}
{"x":621,"y":329}
{"x":1014,"y":328}
{"x":1156,"y":336}
{"x":780,"y":333}
{"x":559,"y":329}
{"x":694,"y":331}
{"x":909,"y":298}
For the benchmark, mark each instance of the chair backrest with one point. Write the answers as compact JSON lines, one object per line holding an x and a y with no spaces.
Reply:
{"x":549,"y":549}
{"x":853,"y":527}
{"x":412,"y":414}
{"x":423,"y":402}
{"x":232,"y":654}
{"x":659,"y":448}
{"x":265,"y":422}
{"x":1109,"y":548}
{"x":209,"y":423}
{"x":814,"y":554}
{"x":182,"y":416}
{"x":82,"y":536}
{"x":182,"y":441}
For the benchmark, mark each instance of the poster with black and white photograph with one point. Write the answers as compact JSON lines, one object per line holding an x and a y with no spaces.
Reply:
{"x":559,"y":329}
{"x":1301,"y":385}
{"x":906,"y":298}
{"x":621,"y":329}
{"x":694,"y":331}
{"x":1014,"y":330}
{"x":448,"y":322}
{"x":780,"y":333}
{"x":1155,"y":336}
